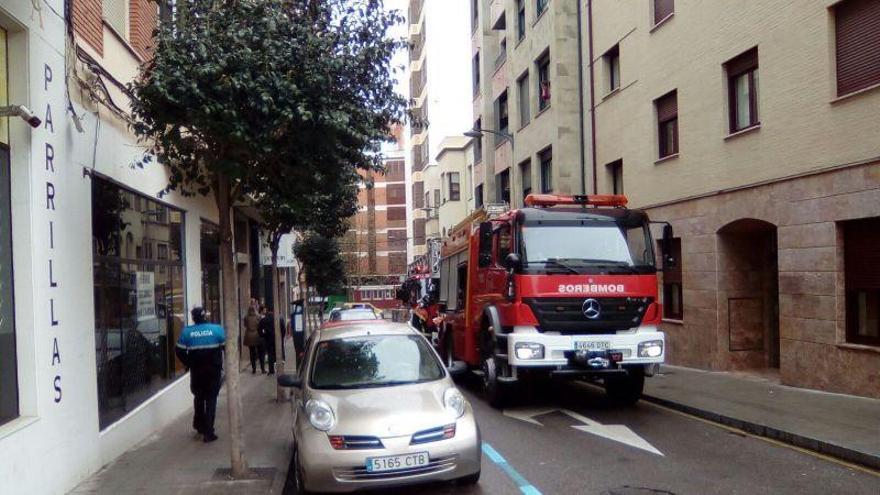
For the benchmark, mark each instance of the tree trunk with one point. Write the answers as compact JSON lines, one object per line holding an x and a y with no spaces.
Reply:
{"x":276,"y":298}
{"x":230,"y":316}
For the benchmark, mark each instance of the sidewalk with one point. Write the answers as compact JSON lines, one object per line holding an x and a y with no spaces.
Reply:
{"x":174,"y":461}
{"x":841,"y":426}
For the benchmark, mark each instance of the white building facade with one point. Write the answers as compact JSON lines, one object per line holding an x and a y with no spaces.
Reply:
{"x":97,"y":273}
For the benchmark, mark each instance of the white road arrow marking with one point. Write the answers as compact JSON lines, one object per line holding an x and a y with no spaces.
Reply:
{"x":617,"y":433}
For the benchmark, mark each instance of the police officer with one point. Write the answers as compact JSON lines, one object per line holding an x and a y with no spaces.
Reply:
{"x":200,"y":348}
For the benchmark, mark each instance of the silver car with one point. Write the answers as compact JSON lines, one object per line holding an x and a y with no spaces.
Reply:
{"x":373,"y":407}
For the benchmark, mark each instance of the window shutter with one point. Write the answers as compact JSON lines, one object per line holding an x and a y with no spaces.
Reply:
{"x":744,"y":62}
{"x":667,"y":107}
{"x":662,"y":9}
{"x":114,"y":13}
{"x":861,"y":255}
{"x":418,"y":194}
{"x":858,"y":44}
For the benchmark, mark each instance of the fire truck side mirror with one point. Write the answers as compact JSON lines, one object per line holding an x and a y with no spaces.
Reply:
{"x":513,"y":262}
{"x":485,"y":255}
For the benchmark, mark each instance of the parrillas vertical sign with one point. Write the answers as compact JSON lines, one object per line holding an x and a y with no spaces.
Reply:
{"x":52,"y":202}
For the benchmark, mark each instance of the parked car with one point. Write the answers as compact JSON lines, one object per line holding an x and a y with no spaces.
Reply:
{"x":340,"y":316}
{"x":373,"y":407}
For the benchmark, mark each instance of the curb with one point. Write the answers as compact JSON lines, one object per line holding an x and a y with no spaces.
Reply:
{"x":833,"y":450}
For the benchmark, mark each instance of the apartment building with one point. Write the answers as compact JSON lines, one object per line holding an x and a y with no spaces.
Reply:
{"x":454,"y":182}
{"x":375,"y":245}
{"x":752,"y":127}
{"x":439,"y":104}
{"x":528,"y":98}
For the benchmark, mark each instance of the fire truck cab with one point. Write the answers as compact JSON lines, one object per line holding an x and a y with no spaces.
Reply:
{"x":565,"y":287}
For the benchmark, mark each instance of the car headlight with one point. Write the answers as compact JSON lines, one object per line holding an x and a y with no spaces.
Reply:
{"x":454,"y":402}
{"x":320,"y":415}
{"x":651,"y":348}
{"x":529,"y":350}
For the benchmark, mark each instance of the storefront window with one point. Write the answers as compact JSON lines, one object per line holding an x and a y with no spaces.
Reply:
{"x":8,"y":366}
{"x":210,"y":246}
{"x":140,"y":306}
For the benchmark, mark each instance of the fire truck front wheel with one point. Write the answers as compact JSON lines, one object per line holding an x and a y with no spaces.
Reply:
{"x":626,"y":390}
{"x":493,"y":389}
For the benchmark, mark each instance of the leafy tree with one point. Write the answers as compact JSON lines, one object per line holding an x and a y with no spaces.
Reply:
{"x":322,"y":263}
{"x":245,"y":93}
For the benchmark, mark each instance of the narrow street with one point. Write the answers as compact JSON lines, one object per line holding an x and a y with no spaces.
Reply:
{"x":697,"y":457}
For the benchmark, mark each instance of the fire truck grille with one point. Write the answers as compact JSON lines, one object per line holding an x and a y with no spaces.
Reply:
{"x":567,"y":315}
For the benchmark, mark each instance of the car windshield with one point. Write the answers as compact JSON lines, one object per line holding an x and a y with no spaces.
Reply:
{"x":353,"y":314}
{"x":374,"y":361}
{"x":592,"y":247}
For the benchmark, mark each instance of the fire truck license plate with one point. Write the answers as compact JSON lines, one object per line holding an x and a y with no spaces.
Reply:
{"x":393,"y":462}
{"x":592,"y":345}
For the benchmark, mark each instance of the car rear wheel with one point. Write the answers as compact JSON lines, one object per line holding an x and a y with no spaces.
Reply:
{"x":626,"y":390}
{"x":471,"y":479}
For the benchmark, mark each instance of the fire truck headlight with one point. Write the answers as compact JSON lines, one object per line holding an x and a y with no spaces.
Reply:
{"x":651,"y":348}
{"x":529,"y":350}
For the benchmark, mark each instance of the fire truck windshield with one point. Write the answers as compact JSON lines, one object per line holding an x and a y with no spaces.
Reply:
{"x":590,"y":247}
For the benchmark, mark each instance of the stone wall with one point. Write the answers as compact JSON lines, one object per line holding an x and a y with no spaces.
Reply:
{"x":720,"y":265}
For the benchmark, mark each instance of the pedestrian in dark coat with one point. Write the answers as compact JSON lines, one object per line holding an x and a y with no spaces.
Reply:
{"x":253,"y":341}
{"x":200,"y":348}
{"x":267,"y":334}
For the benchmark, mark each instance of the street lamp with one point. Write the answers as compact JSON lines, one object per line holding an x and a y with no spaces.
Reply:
{"x":478,"y":133}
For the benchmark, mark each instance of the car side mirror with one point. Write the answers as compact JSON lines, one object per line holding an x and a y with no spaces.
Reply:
{"x":513,"y":262}
{"x":289,"y":381}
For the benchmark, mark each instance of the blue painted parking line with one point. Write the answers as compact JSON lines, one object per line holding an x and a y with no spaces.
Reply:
{"x":523,"y":484}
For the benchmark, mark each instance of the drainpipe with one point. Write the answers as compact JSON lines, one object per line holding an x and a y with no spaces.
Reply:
{"x":580,"y":46}
{"x":592,"y":97}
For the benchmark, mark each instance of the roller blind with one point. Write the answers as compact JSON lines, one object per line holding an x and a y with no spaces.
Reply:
{"x":857,"y":32}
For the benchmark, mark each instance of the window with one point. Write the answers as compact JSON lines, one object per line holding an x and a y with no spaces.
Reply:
{"x":502,"y":51}
{"x":478,"y":143}
{"x":115,"y":14}
{"x":476,"y":70}
{"x":742,"y":85}
{"x":140,"y":307}
{"x":395,"y":194}
{"x":397,"y":240}
{"x":468,"y":180}
{"x":475,"y":14}
{"x":673,"y":306}
{"x":615,"y":170}
{"x":454,"y":185}
{"x":397,"y":262}
{"x":461,"y":278}
{"x":543,"y":65}
{"x":862,"y":280}
{"x":546,"y":158}
{"x":857,"y":38}
{"x":667,"y":123}
{"x":612,"y":64}
{"x":522,"y":87}
{"x":503,"y":181}
{"x":478,"y":196}
{"x":436,"y":198}
{"x":395,"y":213}
{"x":8,"y":361}
{"x":502,"y":124}
{"x":541,"y":6}
{"x":663,"y":9}
{"x":520,"y":19}
{"x":505,"y":240}
{"x":525,"y":171}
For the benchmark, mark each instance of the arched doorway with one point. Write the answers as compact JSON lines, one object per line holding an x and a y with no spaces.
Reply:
{"x":748,"y":295}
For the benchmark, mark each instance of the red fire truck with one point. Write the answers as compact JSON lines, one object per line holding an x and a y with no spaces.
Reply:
{"x":564,"y":287}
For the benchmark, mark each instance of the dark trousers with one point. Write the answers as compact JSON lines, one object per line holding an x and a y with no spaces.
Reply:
{"x":205,"y":385}
{"x":270,"y":354}
{"x":257,"y":352}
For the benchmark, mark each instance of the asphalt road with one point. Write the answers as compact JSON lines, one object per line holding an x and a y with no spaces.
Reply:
{"x":673,"y":453}
{"x":697,"y":457}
